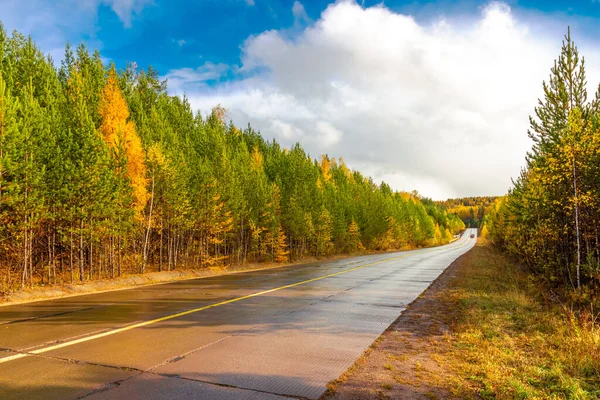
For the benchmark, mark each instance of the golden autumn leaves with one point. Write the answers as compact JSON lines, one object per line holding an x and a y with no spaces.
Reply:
{"x":120,"y":135}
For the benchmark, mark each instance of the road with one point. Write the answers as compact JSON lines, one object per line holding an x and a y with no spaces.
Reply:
{"x":271,"y":334}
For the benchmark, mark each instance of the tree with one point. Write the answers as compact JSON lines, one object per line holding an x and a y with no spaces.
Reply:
{"x":280,"y":251}
{"x":119,"y":133}
{"x":103,"y":173}
{"x":558,"y":127}
{"x":354,"y":242}
{"x":550,"y":218}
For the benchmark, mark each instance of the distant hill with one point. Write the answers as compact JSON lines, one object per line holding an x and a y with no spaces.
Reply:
{"x":471,"y":210}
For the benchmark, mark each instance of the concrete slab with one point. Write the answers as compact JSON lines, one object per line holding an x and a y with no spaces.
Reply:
{"x":155,"y":387}
{"x":35,"y":377}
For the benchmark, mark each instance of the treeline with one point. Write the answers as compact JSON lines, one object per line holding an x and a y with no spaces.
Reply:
{"x":473,"y":211}
{"x":102,"y":172}
{"x":551,"y":218}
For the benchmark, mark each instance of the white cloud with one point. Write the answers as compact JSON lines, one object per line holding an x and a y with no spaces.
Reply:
{"x":328,"y":135}
{"x":185,"y":79}
{"x":125,"y":9}
{"x":300,"y":15}
{"x":439,"y":107}
{"x":51,"y":23}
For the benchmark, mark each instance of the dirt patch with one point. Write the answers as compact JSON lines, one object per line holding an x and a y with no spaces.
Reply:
{"x":404,"y":362}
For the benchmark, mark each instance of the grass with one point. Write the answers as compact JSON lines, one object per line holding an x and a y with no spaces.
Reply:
{"x":508,"y":341}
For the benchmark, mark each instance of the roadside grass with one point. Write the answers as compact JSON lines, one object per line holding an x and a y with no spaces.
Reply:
{"x":508,"y":341}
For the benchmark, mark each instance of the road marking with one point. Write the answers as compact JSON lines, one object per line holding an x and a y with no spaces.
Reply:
{"x":195,"y":310}
{"x":181,"y":314}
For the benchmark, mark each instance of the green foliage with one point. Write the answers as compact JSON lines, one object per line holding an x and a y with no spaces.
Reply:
{"x":550,"y":219}
{"x":471,"y":210}
{"x":102,"y":172}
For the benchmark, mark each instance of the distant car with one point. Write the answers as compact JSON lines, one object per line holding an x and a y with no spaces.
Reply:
{"x":472,"y":236}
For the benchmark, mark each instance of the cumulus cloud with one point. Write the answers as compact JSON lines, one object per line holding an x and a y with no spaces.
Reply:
{"x":300,"y":15}
{"x":186,"y":79}
{"x":125,"y":9}
{"x":441,"y":107}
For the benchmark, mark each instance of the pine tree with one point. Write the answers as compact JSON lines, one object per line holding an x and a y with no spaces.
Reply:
{"x":280,"y":250}
{"x":104,"y":172}
{"x":354,"y":242}
{"x":555,"y":123}
{"x":323,"y":243}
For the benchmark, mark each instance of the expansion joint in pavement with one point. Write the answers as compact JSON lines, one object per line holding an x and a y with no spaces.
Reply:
{"x":45,"y":316}
{"x":234,"y":387}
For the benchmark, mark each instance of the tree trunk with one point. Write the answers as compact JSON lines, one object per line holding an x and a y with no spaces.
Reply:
{"x":160,"y":253}
{"x":112,"y":256}
{"x":577,"y":233}
{"x":119,"y":258}
{"x":49,"y":258}
{"x":145,"y":251}
{"x":25,"y":253}
{"x":31,"y":258}
{"x":71,"y":258}
{"x":91,"y":257}
{"x":81,"y":258}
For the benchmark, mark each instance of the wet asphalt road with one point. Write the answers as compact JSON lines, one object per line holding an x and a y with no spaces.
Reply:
{"x":271,"y":334}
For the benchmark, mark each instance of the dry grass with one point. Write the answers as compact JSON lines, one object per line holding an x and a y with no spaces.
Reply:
{"x":514,"y":344}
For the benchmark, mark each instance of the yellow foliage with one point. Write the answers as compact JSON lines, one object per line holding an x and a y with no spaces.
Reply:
{"x":219,"y":113}
{"x":256,"y":231}
{"x":485,"y":233}
{"x":280,"y":250}
{"x":346,"y":170}
{"x":405,"y":196}
{"x":119,"y":132}
{"x":256,"y":160}
{"x":438,"y":237}
{"x":388,"y":239}
{"x":156,"y":157}
{"x":320,"y":184}
{"x":222,"y":221}
{"x":354,"y":237}
{"x":325,"y":168}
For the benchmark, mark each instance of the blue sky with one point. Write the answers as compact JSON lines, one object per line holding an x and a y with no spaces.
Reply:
{"x":214,"y":30}
{"x":171,"y":34}
{"x":429,"y":95}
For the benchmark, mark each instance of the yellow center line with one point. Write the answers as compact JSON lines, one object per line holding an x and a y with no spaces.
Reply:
{"x":195,"y":310}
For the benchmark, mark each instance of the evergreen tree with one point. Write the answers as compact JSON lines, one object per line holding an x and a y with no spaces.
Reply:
{"x":103,"y":173}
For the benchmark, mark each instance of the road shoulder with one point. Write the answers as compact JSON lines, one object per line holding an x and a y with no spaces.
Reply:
{"x":486,"y":328}
{"x":403,"y":362}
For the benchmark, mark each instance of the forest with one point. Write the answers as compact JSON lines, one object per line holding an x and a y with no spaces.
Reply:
{"x":551,"y":217}
{"x":103,"y":173}
{"x":473,"y":211}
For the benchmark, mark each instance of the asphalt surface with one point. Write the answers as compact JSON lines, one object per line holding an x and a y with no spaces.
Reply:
{"x":272,"y":334}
